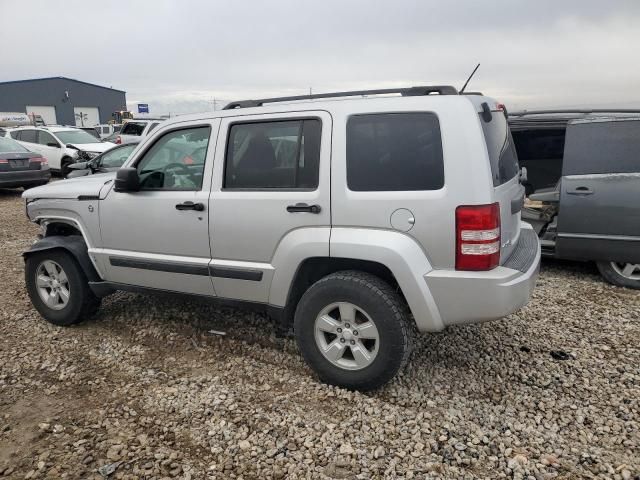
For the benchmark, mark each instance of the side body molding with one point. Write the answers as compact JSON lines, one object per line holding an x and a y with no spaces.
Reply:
{"x":400,"y":254}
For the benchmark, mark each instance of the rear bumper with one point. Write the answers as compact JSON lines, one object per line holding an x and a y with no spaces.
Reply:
{"x":24,"y":178}
{"x":470,"y":297}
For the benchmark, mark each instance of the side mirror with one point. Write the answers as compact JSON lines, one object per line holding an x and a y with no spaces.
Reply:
{"x":127,"y":180}
{"x":78,"y":165}
{"x":53,"y":144}
{"x":68,"y":145}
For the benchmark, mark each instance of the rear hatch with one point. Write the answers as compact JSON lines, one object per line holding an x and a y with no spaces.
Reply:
{"x":508,"y":191}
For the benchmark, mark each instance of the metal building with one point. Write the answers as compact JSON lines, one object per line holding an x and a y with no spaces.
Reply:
{"x":62,"y":100}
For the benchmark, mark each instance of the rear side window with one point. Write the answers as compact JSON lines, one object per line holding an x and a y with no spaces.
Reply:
{"x":502,"y":153}
{"x":543,"y":144}
{"x":28,"y":136}
{"x":602,"y":147}
{"x":278,"y":154}
{"x":133,"y":128}
{"x":394,"y":152}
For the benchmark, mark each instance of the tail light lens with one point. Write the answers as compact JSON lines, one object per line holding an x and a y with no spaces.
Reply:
{"x":40,"y":160}
{"x":4,"y":160}
{"x":477,"y":237}
{"x":118,"y":140}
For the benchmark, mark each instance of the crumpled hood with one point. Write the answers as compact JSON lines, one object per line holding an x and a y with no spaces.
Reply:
{"x":92,"y":186}
{"x":94,"y":147}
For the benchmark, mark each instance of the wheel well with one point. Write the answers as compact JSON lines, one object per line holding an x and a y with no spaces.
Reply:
{"x":61,"y":229}
{"x":313,"y":269}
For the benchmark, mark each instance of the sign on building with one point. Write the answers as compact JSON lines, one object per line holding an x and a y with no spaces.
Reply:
{"x":143,"y":108}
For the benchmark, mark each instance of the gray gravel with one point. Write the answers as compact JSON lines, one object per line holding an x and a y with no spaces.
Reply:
{"x":145,"y":391}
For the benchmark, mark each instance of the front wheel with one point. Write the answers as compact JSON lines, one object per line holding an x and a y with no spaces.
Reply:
{"x":621,"y":273}
{"x":353,"y":331}
{"x":58,"y":288}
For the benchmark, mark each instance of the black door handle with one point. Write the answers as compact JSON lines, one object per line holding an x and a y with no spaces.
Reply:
{"x":303,"y":207}
{"x":198,"y":207}
{"x":580,"y":191}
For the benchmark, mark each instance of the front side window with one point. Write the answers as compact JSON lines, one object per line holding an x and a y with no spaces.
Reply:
{"x":45,"y":138}
{"x":116,"y":157}
{"x":394,"y":152}
{"x":273,"y":155}
{"x":175,"y":161}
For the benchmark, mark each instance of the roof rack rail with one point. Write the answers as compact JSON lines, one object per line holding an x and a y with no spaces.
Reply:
{"x":585,"y":111}
{"x":405,"y":92}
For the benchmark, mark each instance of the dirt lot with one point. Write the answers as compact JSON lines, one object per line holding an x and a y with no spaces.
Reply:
{"x":146,"y":387}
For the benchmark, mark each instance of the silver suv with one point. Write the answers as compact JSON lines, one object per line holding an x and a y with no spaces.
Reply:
{"x":353,"y":220}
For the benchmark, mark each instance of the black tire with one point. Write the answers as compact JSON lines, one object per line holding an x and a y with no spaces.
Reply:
{"x":82,"y":302}
{"x":614,"y":277}
{"x":386,"y":310}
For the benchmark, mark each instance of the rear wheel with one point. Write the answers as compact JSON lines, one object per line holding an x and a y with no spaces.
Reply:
{"x":58,"y":288}
{"x":621,"y":273}
{"x":353,"y":330}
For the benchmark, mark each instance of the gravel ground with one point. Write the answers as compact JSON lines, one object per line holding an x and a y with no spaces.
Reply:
{"x":146,"y":389}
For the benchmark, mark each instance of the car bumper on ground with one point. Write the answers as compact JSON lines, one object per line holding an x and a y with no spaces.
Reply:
{"x":470,"y":297}
{"x":24,"y":178}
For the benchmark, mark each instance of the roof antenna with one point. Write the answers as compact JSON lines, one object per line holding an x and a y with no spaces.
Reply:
{"x":470,"y":76}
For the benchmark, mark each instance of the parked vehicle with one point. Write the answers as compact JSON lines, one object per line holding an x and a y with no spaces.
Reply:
{"x":91,"y":131}
{"x":61,"y":146}
{"x":20,"y":167}
{"x":108,"y":161}
{"x":107,"y":129}
{"x":352,"y":221}
{"x":583,"y":182}
{"x":133,"y":130}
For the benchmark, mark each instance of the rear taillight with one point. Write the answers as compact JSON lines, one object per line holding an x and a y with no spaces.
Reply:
{"x":4,"y":160}
{"x":41,"y":160}
{"x":118,"y":140}
{"x":477,"y":237}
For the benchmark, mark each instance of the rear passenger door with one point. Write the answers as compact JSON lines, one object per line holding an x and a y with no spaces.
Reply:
{"x":599,"y":215}
{"x":271,"y":187}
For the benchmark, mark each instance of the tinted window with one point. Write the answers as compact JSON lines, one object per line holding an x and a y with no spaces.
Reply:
{"x":133,"y":128}
{"x":46,"y":137}
{"x":117,"y":156}
{"x":543,"y":144}
{"x":502,"y":153}
{"x":394,"y":152}
{"x":602,"y":147}
{"x":28,"y":136}
{"x":282,"y":154}
{"x":175,"y":161}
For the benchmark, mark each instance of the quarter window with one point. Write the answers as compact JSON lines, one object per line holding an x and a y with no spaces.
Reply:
{"x":273,"y":155}
{"x":175,"y":161}
{"x":394,"y":152}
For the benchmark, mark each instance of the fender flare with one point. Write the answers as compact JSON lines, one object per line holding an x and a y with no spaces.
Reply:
{"x":74,"y":245}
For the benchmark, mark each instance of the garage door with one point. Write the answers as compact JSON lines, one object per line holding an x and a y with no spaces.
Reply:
{"x":86,"y":116}
{"x":48,"y":114}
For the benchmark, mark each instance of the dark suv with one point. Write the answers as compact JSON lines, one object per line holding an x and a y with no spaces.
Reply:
{"x":583,"y":186}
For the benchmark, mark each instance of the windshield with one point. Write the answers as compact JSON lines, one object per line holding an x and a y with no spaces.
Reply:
{"x":75,"y":136}
{"x":116,"y":157}
{"x":9,"y":145}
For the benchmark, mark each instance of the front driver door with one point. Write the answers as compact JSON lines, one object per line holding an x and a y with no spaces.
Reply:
{"x":159,"y":237}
